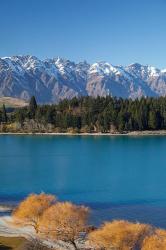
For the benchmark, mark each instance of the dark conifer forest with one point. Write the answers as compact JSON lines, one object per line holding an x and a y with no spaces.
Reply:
{"x":87,"y":115}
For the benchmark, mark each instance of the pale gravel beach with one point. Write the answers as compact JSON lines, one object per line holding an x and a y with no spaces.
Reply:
{"x":8,"y":229}
{"x":132,"y":133}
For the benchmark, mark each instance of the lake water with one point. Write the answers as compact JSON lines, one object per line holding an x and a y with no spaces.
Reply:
{"x":120,"y":177}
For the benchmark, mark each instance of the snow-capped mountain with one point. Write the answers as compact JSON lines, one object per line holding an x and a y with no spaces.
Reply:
{"x":54,"y":79}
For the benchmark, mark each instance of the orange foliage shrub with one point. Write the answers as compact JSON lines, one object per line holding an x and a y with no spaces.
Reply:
{"x":31,"y":209}
{"x":119,"y":235}
{"x":156,"y":241}
{"x":64,"y":221}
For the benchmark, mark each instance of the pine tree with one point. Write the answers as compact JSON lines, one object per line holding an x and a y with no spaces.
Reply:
{"x":19,"y":117}
{"x":152,"y":121}
{"x":32,"y":107}
{"x":4,"y":114}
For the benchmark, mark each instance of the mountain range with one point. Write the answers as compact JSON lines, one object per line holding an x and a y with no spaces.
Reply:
{"x":52,"y":80}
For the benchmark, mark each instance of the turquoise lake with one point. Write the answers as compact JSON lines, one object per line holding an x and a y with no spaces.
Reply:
{"x":120,"y":177}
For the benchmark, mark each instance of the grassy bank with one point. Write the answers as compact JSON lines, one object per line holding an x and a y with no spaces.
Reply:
{"x":11,"y":243}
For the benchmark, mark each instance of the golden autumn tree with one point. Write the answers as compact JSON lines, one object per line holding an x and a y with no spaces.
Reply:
{"x":119,"y":235}
{"x":30,"y":210}
{"x":64,"y":221}
{"x":156,"y":241}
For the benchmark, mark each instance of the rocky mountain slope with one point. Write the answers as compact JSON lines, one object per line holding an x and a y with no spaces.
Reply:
{"x":52,"y":80}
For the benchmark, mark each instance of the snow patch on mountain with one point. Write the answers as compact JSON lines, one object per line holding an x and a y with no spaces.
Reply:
{"x":54,"y":79}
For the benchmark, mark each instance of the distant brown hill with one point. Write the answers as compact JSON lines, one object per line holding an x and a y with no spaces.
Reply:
{"x":12,"y":102}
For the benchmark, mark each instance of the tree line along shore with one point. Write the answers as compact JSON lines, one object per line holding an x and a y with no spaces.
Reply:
{"x":87,"y":115}
{"x":50,"y":221}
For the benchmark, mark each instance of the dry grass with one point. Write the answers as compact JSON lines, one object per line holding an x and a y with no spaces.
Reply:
{"x":11,"y":243}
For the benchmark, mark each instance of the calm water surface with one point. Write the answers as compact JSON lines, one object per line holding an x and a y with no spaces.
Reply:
{"x":119,"y":177}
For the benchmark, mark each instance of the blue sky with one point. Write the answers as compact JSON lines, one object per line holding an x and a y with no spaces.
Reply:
{"x":117,"y":31}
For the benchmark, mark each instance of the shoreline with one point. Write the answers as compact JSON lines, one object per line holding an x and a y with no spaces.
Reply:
{"x":9,"y":230}
{"x":132,"y":133}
